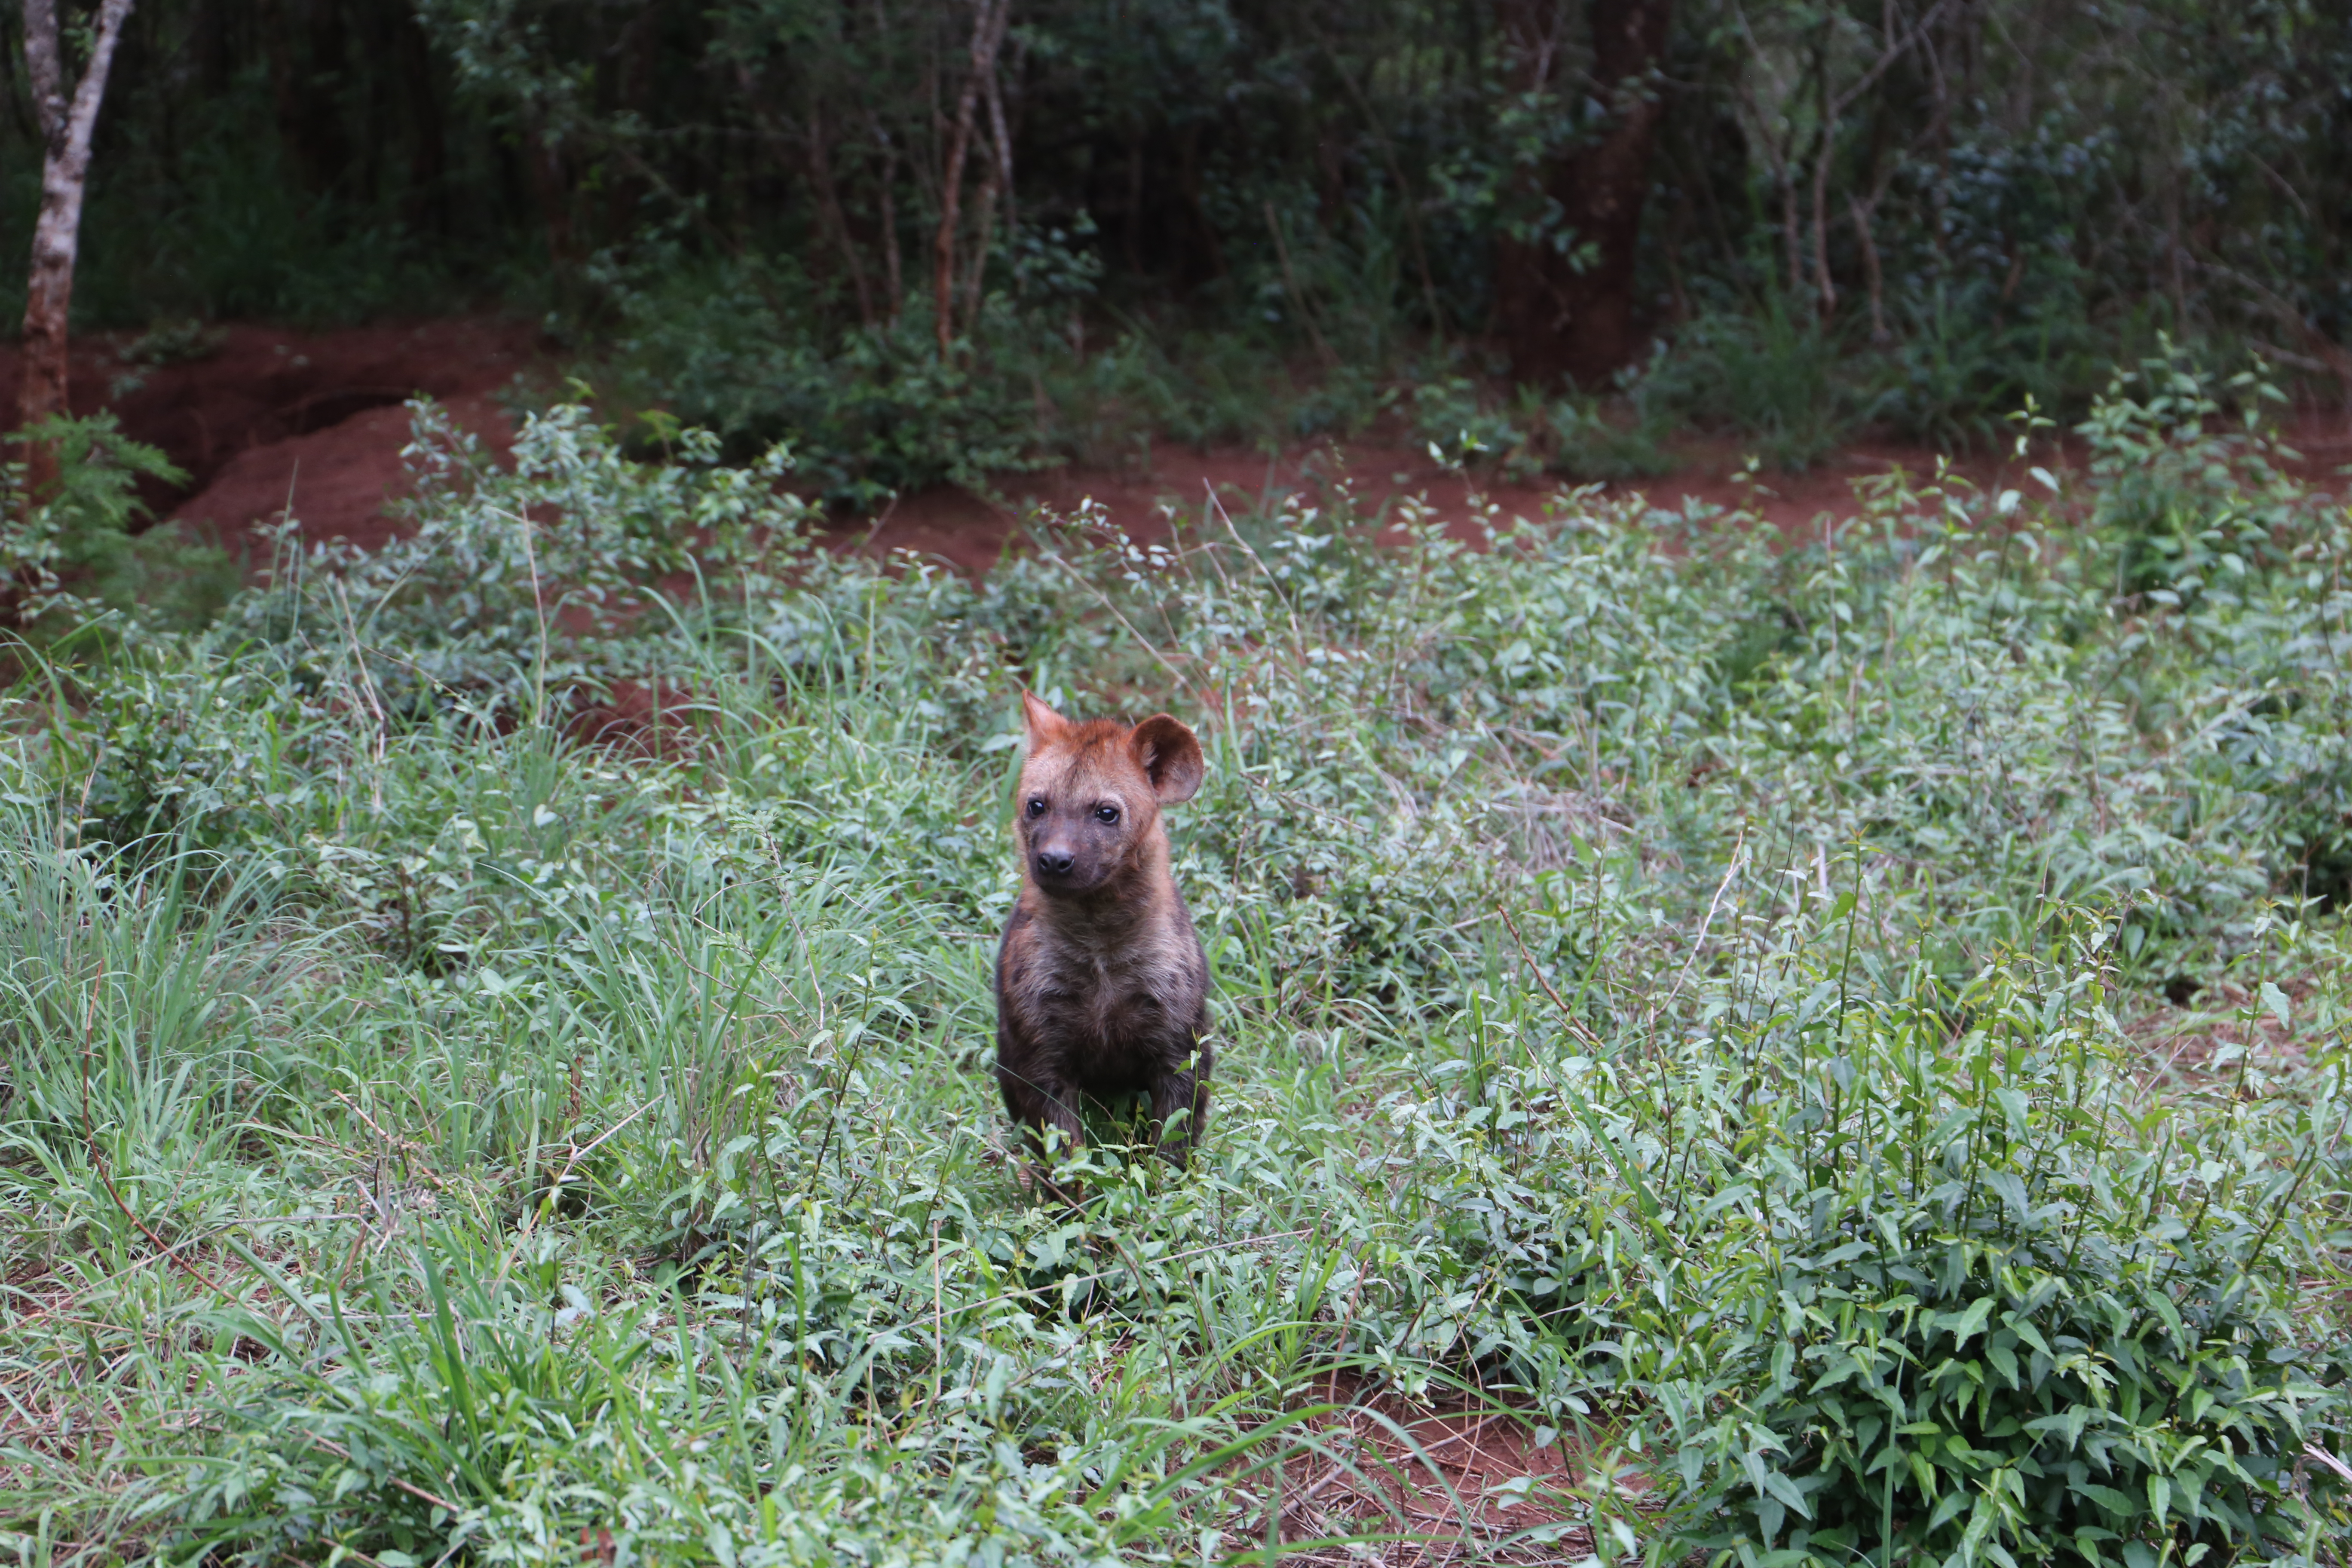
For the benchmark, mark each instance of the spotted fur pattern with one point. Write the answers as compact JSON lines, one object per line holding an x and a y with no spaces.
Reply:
{"x":1101,"y":987}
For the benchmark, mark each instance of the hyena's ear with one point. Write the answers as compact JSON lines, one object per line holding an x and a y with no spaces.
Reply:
{"x":1170,"y":756}
{"x":1045,"y":725}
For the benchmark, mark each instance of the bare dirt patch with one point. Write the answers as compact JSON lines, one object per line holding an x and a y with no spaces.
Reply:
{"x":266,"y":418}
{"x":2213,"y":1033}
{"x":260,"y":413}
{"x":1454,"y":1481}
{"x":972,"y":531}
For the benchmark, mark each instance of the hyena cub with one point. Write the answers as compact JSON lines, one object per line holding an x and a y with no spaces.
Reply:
{"x":1101,"y":986}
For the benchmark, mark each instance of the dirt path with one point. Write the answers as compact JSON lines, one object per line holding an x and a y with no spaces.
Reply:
{"x":972,"y":532}
{"x":264,"y":418}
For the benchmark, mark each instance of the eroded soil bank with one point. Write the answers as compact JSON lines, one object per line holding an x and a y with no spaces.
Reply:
{"x":264,"y":420}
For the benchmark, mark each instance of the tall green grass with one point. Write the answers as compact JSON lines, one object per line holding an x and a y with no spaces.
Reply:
{"x":1704,"y":1002}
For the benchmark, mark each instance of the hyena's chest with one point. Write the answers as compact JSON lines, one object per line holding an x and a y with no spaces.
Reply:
{"x":1111,"y":1025}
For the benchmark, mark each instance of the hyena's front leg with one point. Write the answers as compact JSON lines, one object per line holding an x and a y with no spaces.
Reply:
{"x":1038,"y":1100}
{"x":1184,"y":1088}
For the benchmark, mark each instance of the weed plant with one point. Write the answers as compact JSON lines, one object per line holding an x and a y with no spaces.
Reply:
{"x":1774,"y":375}
{"x":75,"y":554}
{"x":745,"y":348}
{"x":1702,"y":1002}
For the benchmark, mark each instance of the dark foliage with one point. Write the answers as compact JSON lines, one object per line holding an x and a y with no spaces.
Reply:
{"x":1080,"y":212}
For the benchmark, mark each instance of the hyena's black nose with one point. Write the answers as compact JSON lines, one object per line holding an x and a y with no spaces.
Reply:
{"x":1055,"y":862}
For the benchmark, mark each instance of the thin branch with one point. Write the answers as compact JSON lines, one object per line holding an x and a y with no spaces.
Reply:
{"x":419,"y":1493}
{"x":1568,"y":1016}
{"x":1404,"y":190}
{"x":1290,"y":282}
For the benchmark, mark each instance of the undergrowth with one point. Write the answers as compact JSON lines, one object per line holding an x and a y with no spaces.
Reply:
{"x":72,"y":553}
{"x":1705,"y":1004}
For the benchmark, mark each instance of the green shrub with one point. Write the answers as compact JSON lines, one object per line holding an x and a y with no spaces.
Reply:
{"x":1950,"y":1299}
{"x":1773,"y":375}
{"x":1576,"y":436}
{"x":737,"y":349}
{"x":1584,"y":442}
{"x":2181,"y":494}
{"x":1963,"y":357}
{"x":1461,"y":427}
{"x":76,"y":555}
{"x":746,"y":348}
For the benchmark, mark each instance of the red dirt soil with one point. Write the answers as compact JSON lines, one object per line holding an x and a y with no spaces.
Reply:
{"x":972,"y":532}
{"x":273,"y":414}
{"x":274,"y":417}
{"x":1461,"y":1480}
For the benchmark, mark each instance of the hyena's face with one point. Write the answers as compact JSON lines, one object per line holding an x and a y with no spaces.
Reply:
{"x":1091,"y":793}
{"x":1079,"y":820}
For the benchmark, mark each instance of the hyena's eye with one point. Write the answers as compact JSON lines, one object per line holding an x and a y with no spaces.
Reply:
{"x":1105,"y":813}
{"x":1036,"y":805}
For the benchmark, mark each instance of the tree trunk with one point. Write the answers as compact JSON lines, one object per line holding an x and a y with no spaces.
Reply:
{"x":425,"y":203}
{"x":987,"y":33}
{"x":308,"y":55}
{"x":544,"y":168}
{"x":1565,"y":301}
{"x":886,"y":206}
{"x":65,"y":127}
{"x":836,"y":218}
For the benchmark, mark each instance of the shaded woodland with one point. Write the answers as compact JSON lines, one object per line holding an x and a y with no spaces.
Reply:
{"x":936,"y":238}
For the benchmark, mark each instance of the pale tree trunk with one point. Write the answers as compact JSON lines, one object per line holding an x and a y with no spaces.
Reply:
{"x":987,"y":34}
{"x":66,"y":126}
{"x":1000,"y":179}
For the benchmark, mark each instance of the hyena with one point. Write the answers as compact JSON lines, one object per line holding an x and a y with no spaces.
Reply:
{"x":1101,"y":986}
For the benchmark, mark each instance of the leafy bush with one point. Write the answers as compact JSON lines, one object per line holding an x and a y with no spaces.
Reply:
{"x":739,"y":350}
{"x":1950,"y":1300}
{"x":2183,"y":500}
{"x":76,"y":555}
{"x":1774,"y":375}
{"x":1585,"y":443}
{"x":745,"y":349}
{"x":1962,"y":362}
{"x":1574,"y":436}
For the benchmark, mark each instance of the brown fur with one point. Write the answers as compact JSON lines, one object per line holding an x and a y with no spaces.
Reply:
{"x":1101,"y":986}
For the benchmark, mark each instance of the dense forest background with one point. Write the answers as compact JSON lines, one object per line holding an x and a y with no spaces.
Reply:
{"x":935,"y":239}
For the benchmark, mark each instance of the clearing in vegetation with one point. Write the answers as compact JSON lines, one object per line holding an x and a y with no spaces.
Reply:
{"x":1846,"y":1041}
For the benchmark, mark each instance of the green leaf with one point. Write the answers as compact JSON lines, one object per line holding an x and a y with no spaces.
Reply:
{"x":2014,"y":1106}
{"x":1784,"y":1488}
{"x":1966,"y":1325}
